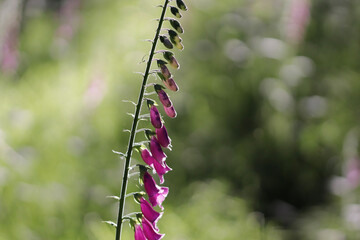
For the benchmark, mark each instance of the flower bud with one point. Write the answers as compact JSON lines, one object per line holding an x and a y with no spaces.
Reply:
{"x":181,"y":5}
{"x":166,"y":42}
{"x":164,"y":70}
{"x":176,"y":25}
{"x":175,"y":12}
{"x":163,"y":137}
{"x":170,"y":111}
{"x":174,"y":37}
{"x":169,"y":56}
{"x":155,"y":118}
{"x":171,"y":84}
{"x":163,"y":97}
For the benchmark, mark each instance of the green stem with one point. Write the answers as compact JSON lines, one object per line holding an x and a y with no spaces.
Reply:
{"x":134,"y":126}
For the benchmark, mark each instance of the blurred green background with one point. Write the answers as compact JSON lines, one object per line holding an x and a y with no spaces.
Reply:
{"x":265,"y":145}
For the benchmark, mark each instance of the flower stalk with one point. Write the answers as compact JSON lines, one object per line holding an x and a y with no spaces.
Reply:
{"x":134,"y":126}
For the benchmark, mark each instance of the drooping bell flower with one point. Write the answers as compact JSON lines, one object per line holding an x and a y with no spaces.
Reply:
{"x":156,"y":194}
{"x":166,"y":42}
{"x":149,"y":213}
{"x":164,"y":70}
{"x":156,"y":150}
{"x":163,"y":137}
{"x":181,"y":5}
{"x":169,"y":56}
{"x":175,"y":12}
{"x":155,"y":118}
{"x":149,"y":231}
{"x":161,"y":170}
{"x":163,"y":97}
{"x":170,"y":111}
{"x":139,"y":234}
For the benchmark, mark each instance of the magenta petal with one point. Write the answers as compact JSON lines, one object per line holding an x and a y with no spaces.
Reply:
{"x":146,"y":156}
{"x":164,"y":98}
{"x":156,"y":194}
{"x":156,"y":150}
{"x":149,"y":231}
{"x":163,"y":137}
{"x":139,"y":234}
{"x":155,"y":117}
{"x":149,"y":213}
{"x":161,"y":170}
{"x":170,"y":111}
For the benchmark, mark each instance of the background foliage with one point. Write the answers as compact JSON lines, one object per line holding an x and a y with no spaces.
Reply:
{"x":266,"y":138}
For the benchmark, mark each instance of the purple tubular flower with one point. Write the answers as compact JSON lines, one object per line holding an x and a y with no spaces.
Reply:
{"x":146,"y":156}
{"x":161,"y":170}
{"x":170,"y":111}
{"x":139,"y":234}
{"x":156,"y":194}
{"x":163,"y":137}
{"x":163,"y":97}
{"x":149,"y":213}
{"x":149,"y":231}
{"x":156,"y":150}
{"x":171,"y":84}
{"x":155,"y":118}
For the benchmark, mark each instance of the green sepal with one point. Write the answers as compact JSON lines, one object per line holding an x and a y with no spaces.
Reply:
{"x":161,"y":62}
{"x":161,"y":76}
{"x":176,"y":25}
{"x":166,"y":42}
{"x":138,"y":196}
{"x":143,"y":169}
{"x":149,"y":133}
{"x":139,"y":217}
{"x":158,"y":87}
{"x":181,"y":5}
{"x":150,"y":103}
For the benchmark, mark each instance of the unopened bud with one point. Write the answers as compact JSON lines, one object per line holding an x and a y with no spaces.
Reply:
{"x":170,"y":111}
{"x":175,"y":12}
{"x":171,"y":84}
{"x":164,"y":70}
{"x":176,"y":25}
{"x":174,"y":37}
{"x":169,"y":56}
{"x":163,"y":97}
{"x":181,"y":5}
{"x":166,"y":42}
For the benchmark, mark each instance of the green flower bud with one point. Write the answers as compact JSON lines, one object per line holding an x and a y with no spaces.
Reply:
{"x":181,"y":5}
{"x":169,"y":56}
{"x":179,"y":46}
{"x":175,"y":12}
{"x":174,"y":37}
{"x":164,"y":70}
{"x":176,"y":25}
{"x":166,"y":42}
